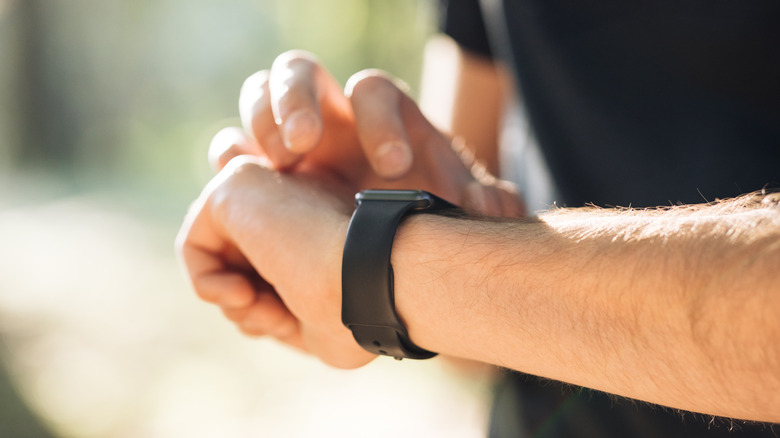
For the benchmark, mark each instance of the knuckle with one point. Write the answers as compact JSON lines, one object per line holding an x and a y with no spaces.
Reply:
{"x":240,"y":167}
{"x":222,"y":191}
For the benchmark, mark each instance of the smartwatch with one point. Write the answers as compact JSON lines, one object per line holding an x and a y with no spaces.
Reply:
{"x":368,"y":302}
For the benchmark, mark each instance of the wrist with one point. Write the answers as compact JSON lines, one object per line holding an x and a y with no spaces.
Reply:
{"x":414,"y":290}
{"x":465,"y":287}
{"x":368,"y":297}
{"x":434,"y":289}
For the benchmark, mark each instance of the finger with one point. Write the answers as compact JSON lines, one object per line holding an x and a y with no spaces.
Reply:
{"x":257,"y":118}
{"x":229,"y":143}
{"x":259,"y":287}
{"x":512,"y":202}
{"x":230,"y":290}
{"x":481,"y":195}
{"x":212,"y":263}
{"x":203,"y":251}
{"x":376,"y":101}
{"x":267,"y":316}
{"x":481,"y":199}
{"x":294,"y":86}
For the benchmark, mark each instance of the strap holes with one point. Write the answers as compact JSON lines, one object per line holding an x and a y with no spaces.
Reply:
{"x":377,"y":343}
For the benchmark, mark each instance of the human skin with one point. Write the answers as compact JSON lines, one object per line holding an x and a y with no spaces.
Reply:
{"x":672,"y":307}
{"x":338,"y":141}
{"x":345,"y":129}
{"x":617,"y":349}
{"x":370,"y":135}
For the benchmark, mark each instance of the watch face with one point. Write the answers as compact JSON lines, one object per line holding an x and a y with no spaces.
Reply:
{"x":421,"y":198}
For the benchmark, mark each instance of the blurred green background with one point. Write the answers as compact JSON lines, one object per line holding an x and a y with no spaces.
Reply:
{"x":107,"y":108}
{"x":110,"y":92}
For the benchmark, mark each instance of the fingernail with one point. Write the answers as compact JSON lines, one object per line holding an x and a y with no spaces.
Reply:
{"x":301,"y":131}
{"x":393,"y":159}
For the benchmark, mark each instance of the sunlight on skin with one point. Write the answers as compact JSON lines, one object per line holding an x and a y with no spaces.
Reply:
{"x":106,"y":339}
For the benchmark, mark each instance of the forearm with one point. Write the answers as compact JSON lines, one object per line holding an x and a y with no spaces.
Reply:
{"x":673,"y":308}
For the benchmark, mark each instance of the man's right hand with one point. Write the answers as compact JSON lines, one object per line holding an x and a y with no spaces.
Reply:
{"x":372,"y":135}
{"x":297,"y":119}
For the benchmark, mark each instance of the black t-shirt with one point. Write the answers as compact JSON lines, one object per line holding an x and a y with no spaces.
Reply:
{"x":642,"y":103}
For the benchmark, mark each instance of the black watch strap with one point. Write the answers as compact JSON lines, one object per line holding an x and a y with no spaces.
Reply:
{"x":368,"y":302}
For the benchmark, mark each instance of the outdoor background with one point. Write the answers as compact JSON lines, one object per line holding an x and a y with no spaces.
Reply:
{"x":106,"y":110}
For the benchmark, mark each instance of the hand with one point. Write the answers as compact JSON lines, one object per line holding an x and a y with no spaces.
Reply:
{"x":266,"y":248}
{"x":297,"y":119}
{"x":371,"y":136}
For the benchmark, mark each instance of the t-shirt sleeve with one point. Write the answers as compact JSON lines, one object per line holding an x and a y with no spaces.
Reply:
{"x":462,"y":21}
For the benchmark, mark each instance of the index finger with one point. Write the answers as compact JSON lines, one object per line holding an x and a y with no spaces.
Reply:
{"x":377,"y":100}
{"x":294,"y":99}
